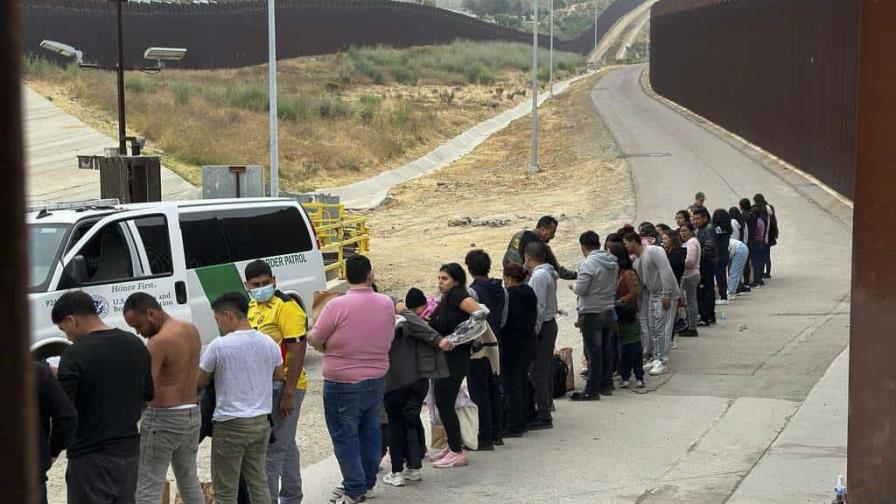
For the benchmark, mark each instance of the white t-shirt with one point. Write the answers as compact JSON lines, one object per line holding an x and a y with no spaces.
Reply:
{"x":243,"y":364}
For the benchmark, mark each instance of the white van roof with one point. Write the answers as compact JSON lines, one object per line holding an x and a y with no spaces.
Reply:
{"x":68,"y":213}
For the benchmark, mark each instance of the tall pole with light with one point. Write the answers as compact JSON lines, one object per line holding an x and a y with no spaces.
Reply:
{"x":272,"y":100}
{"x":551,"y":53}
{"x":533,"y":166}
{"x":596,"y":10}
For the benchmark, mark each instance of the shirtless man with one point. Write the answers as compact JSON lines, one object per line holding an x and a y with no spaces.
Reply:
{"x":169,"y":431}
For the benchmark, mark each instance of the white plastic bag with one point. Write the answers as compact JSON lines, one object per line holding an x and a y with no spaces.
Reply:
{"x":467,"y":414}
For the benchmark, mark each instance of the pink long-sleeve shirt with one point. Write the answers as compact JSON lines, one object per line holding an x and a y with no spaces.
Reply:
{"x":692,"y":260}
{"x":357,"y":330}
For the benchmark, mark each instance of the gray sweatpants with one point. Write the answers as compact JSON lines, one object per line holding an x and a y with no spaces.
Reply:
{"x":689,"y":286}
{"x":169,"y":436}
{"x":284,"y":477}
{"x":656,"y":324}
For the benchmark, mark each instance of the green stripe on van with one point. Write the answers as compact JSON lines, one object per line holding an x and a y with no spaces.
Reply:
{"x":219,"y":279}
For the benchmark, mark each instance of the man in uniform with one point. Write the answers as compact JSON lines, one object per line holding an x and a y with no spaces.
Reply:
{"x":544,"y":232}
{"x":281,"y":318}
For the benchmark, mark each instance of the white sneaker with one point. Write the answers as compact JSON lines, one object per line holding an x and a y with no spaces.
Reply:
{"x":659,"y":369}
{"x":394,"y":479}
{"x":649,"y":364}
{"x":639,"y":384}
{"x":674,"y":345}
{"x":412,"y":474}
{"x":372,"y":492}
{"x":720,"y":302}
{"x":732,"y":296}
{"x":624,"y":384}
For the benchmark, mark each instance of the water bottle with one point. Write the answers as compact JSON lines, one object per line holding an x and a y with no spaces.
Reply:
{"x":723,"y":319}
{"x":839,"y":490}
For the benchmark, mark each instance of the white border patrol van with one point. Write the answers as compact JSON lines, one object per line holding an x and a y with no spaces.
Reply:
{"x":183,"y":253}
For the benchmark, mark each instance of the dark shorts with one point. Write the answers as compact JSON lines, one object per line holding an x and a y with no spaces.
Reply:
{"x":101,"y":478}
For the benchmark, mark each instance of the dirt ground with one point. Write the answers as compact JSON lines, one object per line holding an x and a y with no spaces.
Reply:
{"x":583,"y":182}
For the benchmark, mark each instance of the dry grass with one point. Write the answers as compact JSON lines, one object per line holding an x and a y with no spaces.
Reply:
{"x":343,"y":117}
{"x":582,"y":182}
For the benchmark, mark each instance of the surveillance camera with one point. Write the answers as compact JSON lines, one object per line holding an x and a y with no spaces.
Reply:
{"x":165,"y":53}
{"x":61,"y":49}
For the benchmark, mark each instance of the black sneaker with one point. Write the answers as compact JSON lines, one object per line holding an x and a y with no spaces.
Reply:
{"x":584,"y":396}
{"x":483,"y":446}
{"x":499,"y":441}
{"x":690,"y":333}
{"x":702,"y":323}
{"x":607,"y":390}
{"x":512,"y":434}
{"x":540,"y":424}
{"x":766,"y":275}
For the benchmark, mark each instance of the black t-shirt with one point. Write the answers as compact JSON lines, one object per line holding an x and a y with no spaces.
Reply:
{"x":448,"y":315}
{"x":677,"y":257}
{"x":108,"y":376}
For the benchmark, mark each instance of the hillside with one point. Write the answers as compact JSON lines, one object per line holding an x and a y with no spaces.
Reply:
{"x":571,"y":17}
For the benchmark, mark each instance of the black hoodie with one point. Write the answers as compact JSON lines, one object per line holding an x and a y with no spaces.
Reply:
{"x":491,"y":293}
{"x":522,"y":313}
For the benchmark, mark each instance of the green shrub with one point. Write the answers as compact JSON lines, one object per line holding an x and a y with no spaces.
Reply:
{"x":370,"y":105}
{"x":478,"y":73}
{"x":136,"y":83}
{"x":403,"y":74}
{"x":181,"y":93}
{"x":370,"y":70}
{"x":252,"y":97}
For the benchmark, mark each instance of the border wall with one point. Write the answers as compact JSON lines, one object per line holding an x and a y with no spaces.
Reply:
{"x":780,"y":73}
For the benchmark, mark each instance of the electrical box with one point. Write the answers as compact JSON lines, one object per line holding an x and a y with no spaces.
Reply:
{"x":239,"y":181}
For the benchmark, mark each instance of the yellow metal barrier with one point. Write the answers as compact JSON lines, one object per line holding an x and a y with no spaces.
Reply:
{"x":337,"y":230}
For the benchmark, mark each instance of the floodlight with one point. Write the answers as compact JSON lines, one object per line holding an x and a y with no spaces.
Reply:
{"x":165,"y":53}
{"x":61,"y":49}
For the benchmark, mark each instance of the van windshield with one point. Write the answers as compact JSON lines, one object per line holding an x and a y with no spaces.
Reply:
{"x":44,"y":244}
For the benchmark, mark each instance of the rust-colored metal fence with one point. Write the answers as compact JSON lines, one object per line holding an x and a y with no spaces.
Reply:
{"x":780,"y":73}
{"x":235,"y":34}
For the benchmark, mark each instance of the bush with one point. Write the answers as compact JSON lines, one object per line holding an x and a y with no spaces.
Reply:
{"x":181,"y":93}
{"x":252,"y":97}
{"x":400,"y":114}
{"x":403,"y":74}
{"x":370,"y":105}
{"x":139,"y":84}
{"x":478,"y":73}
{"x":370,"y":70}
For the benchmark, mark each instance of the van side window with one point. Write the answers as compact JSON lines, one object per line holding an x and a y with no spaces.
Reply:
{"x":154,"y":235}
{"x":110,"y":255}
{"x":204,"y":243}
{"x":253,"y":233}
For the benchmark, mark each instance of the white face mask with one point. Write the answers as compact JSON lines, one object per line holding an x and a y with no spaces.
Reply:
{"x":263,"y":294}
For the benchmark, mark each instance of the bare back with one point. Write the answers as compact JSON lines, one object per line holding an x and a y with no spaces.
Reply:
{"x":175,"y":364}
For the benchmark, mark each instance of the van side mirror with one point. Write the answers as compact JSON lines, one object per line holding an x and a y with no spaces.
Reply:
{"x":75,"y":272}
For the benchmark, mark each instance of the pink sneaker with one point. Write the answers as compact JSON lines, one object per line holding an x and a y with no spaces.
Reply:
{"x":451,"y":460}
{"x":440,"y":455}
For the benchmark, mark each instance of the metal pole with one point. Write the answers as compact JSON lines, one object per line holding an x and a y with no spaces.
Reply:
{"x":872,"y":411}
{"x":122,"y":130}
{"x":18,"y":461}
{"x":533,"y":167}
{"x":596,"y":9}
{"x":272,"y":99}
{"x":551,"y":52}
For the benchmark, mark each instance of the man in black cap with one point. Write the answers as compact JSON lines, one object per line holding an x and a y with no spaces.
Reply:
{"x":699,"y":200}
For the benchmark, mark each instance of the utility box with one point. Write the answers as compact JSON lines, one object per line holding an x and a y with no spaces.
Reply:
{"x":240,"y":181}
{"x":130,"y":179}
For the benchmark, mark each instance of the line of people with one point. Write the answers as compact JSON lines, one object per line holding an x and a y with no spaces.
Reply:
{"x":382,"y":357}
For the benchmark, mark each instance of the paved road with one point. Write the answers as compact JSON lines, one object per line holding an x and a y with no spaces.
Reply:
{"x":54,"y":139}
{"x":704,"y":427}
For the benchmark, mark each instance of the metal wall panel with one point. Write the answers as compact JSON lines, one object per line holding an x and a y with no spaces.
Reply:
{"x":780,"y":73}
{"x":235,"y":34}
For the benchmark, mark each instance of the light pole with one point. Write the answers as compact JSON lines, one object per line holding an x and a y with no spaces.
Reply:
{"x":595,"y":34}
{"x":272,"y":99}
{"x":551,"y":52}
{"x":533,"y":166}
{"x":158,"y":54}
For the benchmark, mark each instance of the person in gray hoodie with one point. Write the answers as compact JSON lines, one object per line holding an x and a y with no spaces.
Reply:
{"x":416,"y":356}
{"x":658,"y":296}
{"x":595,"y":287}
{"x":543,"y":280}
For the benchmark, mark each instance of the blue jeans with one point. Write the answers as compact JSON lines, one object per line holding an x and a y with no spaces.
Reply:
{"x":354,"y":412}
{"x":757,"y":260}
{"x":738,"y":261}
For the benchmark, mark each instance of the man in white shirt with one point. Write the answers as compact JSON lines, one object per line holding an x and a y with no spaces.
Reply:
{"x":242,"y":363}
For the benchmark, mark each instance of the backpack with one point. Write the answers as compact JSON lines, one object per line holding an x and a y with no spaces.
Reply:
{"x":560,"y":371}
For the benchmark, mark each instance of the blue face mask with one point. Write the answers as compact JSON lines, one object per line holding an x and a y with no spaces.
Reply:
{"x":263,"y":294}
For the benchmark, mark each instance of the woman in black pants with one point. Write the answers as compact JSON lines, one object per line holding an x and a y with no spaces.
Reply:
{"x":517,"y":343}
{"x":721,"y":223}
{"x":455,"y":307}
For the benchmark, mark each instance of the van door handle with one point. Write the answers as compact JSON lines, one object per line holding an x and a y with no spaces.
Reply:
{"x":180,"y":292}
